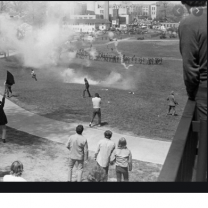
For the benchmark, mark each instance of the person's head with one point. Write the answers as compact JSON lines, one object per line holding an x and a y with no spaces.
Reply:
{"x":122,"y":143}
{"x":16,"y":168}
{"x":79,"y":129}
{"x":108,"y":134}
{"x":85,"y":79}
{"x":172,"y":93}
{"x":97,"y":174}
{"x":97,"y":95}
{"x":191,"y":4}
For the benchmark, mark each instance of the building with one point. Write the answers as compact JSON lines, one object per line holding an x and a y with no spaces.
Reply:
{"x":153,"y":11}
{"x":87,"y":25}
{"x":145,"y":10}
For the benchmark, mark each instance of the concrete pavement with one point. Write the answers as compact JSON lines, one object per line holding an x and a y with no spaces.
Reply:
{"x":143,"y":149}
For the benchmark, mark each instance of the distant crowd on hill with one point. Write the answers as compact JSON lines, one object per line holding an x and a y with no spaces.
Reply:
{"x":100,"y":56}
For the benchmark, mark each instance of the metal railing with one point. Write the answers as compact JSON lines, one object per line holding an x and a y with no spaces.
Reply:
{"x":180,"y":162}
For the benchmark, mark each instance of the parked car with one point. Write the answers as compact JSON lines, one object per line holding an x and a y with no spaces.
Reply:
{"x":140,"y":38}
{"x":163,"y":36}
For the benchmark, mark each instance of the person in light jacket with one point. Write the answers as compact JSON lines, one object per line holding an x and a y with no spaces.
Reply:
{"x":171,"y":103}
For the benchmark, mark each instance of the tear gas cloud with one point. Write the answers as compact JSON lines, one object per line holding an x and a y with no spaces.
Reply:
{"x":40,"y":47}
{"x":121,"y":80}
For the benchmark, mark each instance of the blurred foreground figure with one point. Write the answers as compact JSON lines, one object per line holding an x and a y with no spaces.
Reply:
{"x":33,"y":74}
{"x":3,"y":118}
{"x":193,"y":48}
{"x":86,"y":88}
{"x":78,"y":152}
{"x":96,"y":102}
{"x":15,"y":174}
{"x":171,"y":103}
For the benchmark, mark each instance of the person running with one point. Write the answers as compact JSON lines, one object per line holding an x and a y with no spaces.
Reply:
{"x":123,"y":159}
{"x":171,"y":103}
{"x":86,"y":88}
{"x":96,"y":101}
{"x":33,"y":74}
{"x":3,"y":118}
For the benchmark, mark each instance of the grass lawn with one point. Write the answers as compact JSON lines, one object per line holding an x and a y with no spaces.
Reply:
{"x":45,"y":160}
{"x":142,"y":114}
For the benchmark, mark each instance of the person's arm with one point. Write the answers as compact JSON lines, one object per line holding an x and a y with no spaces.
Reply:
{"x":97,"y":151}
{"x":130,"y":161}
{"x":189,"y":51}
{"x":3,"y":101}
{"x":68,"y":144}
{"x":86,"y":151}
{"x":113,"y":157}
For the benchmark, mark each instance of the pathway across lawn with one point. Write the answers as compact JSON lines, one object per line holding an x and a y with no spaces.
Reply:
{"x":143,"y":149}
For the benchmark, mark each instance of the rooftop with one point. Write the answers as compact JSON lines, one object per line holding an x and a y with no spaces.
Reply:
{"x":89,"y":21}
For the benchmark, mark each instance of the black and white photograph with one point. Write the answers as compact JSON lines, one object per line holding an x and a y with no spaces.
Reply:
{"x":103,"y":91}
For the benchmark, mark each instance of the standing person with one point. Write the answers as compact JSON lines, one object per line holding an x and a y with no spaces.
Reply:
{"x":171,"y":103}
{"x":123,"y":158}
{"x":104,"y":151}
{"x":96,"y":102}
{"x":78,"y":152}
{"x":9,"y":82}
{"x":3,"y":118}
{"x":33,"y":74}
{"x":15,"y":174}
{"x":193,"y":48}
{"x":86,"y":88}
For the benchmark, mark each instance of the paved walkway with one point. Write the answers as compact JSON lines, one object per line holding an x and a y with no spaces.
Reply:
{"x":143,"y":149}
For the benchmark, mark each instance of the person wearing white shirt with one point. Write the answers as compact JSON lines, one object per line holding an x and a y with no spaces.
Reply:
{"x":15,"y":174}
{"x":96,"y":102}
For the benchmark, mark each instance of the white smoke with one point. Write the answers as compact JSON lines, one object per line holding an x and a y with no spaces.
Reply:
{"x":125,"y":81}
{"x":40,"y":46}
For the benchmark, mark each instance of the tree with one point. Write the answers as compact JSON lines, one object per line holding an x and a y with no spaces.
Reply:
{"x":165,"y":12}
{"x":35,"y":13}
{"x":18,"y":7}
{"x":4,"y":6}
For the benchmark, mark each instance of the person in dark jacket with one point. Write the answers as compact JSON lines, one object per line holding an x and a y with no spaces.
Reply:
{"x":171,"y":103}
{"x":193,"y":47}
{"x":86,"y":88}
{"x":3,"y":118}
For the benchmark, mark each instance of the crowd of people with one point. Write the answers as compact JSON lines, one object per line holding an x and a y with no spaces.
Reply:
{"x":106,"y":154}
{"x":100,"y":56}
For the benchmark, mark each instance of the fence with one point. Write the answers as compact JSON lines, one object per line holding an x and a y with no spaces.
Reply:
{"x":183,"y":152}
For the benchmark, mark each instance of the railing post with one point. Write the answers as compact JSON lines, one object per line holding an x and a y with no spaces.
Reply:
{"x":202,"y":153}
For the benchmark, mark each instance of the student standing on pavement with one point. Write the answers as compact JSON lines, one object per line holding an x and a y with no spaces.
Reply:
{"x":96,"y":102}
{"x":3,"y":118}
{"x":86,"y":88}
{"x":104,"y":151}
{"x":78,"y":152}
{"x":171,"y":103}
{"x":123,"y":158}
